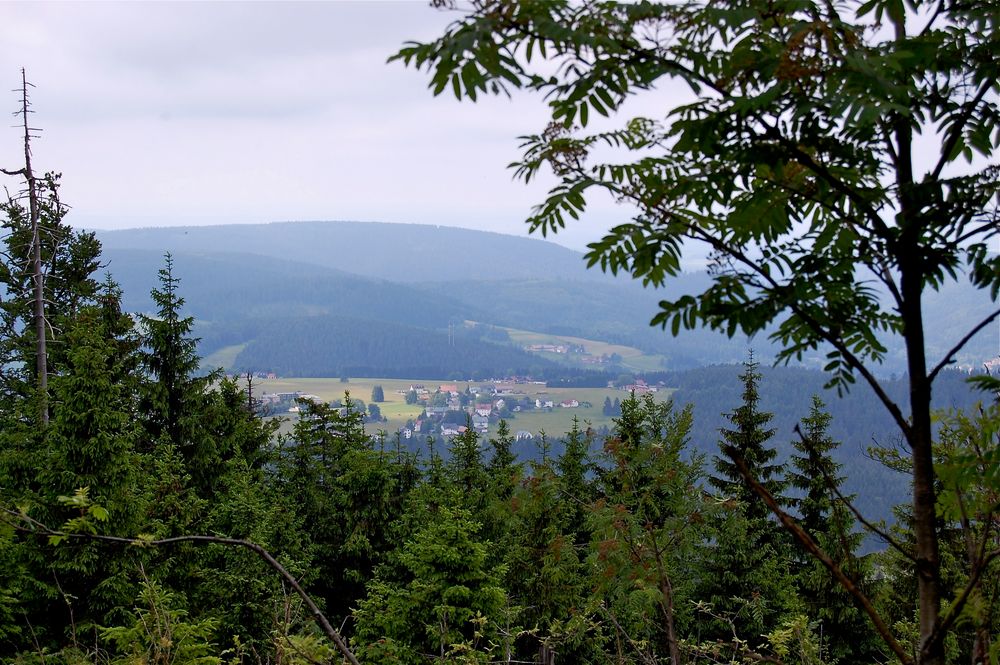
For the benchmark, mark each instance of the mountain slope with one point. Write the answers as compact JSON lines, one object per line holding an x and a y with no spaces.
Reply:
{"x":239,"y":278}
{"x":231,"y":287}
{"x":327,"y":346}
{"x":397,"y":252}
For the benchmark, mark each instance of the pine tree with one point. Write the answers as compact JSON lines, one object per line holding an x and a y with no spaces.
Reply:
{"x":378,"y":395}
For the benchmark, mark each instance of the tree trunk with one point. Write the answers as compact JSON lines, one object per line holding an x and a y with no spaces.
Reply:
{"x":928,"y":560}
{"x":37,"y":275}
{"x":668,"y":612}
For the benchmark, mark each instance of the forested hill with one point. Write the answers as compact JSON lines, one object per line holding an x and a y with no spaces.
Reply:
{"x":407,"y":253}
{"x":240,"y":279}
{"x":328,"y":346}
{"x":231,"y":287}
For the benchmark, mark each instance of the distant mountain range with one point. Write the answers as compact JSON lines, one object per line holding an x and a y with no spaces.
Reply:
{"x":244,"y":284}
{"x":405,"y":253}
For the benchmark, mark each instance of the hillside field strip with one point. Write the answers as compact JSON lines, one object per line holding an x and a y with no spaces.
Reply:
{"x":631,"y":357}
{"x":554,"y":422}
{"x":224,"y":357}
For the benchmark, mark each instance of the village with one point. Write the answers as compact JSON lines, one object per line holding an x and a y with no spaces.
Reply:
{"x":444,"y":410}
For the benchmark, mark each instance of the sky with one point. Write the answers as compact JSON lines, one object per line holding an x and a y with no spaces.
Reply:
{"x":177,"y":113}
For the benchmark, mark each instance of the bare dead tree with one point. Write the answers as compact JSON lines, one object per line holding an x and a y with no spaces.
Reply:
{"x":37,"y":272}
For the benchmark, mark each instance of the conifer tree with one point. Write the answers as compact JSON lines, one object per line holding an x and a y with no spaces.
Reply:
{"x":347,"y":496}
{"x":467,"y":469}
{"x":546,"y":575}
{"x":174,"y":395}
{"x":439,"y":598}
{"x":746,"y":575}
{"x":68,"y":259}
{"x":749,"y":437}
{"x":573,"y":466}
{"x":847,"y":634}
{"x":648,"y":525}
{"x":503,"y":469}
{"x":91,"y":442}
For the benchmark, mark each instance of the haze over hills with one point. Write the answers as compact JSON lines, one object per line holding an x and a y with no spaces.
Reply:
{"x":243,"y":282}
{"x":407,"y":253}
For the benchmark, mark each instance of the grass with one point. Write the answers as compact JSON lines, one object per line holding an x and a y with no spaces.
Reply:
{"x":555,"y":422}
{"x":632,"y":358}
{"x":224,"y":357}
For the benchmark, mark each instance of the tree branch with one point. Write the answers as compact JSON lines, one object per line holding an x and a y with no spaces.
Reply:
{"x":318,"y":616}
{"x":958,"y":347}
{"x":956,"y":129}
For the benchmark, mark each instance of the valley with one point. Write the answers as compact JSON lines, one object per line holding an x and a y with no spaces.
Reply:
{"x":554,"y":420}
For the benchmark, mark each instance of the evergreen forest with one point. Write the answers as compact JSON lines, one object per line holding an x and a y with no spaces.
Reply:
{"x":837,"y":163}
{"x":150,"y":515}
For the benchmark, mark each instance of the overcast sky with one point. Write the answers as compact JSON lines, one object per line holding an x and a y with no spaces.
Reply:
{"x":201,"y":113}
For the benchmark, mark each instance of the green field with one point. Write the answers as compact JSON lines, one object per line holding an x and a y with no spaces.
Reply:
{"x":555,"y":422}
{"x":224,"y":357}
{"x":632,"y":358}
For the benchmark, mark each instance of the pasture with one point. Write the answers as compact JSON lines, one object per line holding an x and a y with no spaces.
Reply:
{"x":631,"y":357}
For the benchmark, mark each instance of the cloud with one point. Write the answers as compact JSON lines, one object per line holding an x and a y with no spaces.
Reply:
{"x":181,"y":113}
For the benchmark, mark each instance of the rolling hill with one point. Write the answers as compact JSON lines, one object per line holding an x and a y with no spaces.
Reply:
{"x":240,"y":280}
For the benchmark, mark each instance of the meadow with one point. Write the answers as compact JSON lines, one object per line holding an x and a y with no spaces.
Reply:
{"x":631,"y":357}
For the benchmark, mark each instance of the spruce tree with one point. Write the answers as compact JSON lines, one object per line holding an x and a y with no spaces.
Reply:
{"x":68,"y":258}
{"x":574,"y":466}
{"x":503,"y":470}
{"x":846,"y":631}
{"x":546,"y":577}
{"x":91,"y":442}
{"x":749,"y":436}
{"x":747,"y":570}
{"x":346,"y":495}
{"x":174,"y":394}
{"x":648,"y":525}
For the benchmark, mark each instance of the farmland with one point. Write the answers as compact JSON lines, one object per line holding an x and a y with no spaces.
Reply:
{"x":554,"y":422}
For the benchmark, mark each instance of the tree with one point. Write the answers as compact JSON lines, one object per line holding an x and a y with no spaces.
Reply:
{"x":171,"y":359}
{"x":847,"y":637}
{"x":791,"y":159}
{"x":378,"y":395}
{"x":440,"y":597}
{"x":746,"y":575}
{"x":36,"y":270}
{"x":649,"y":523}
{"x":750,"y":437}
